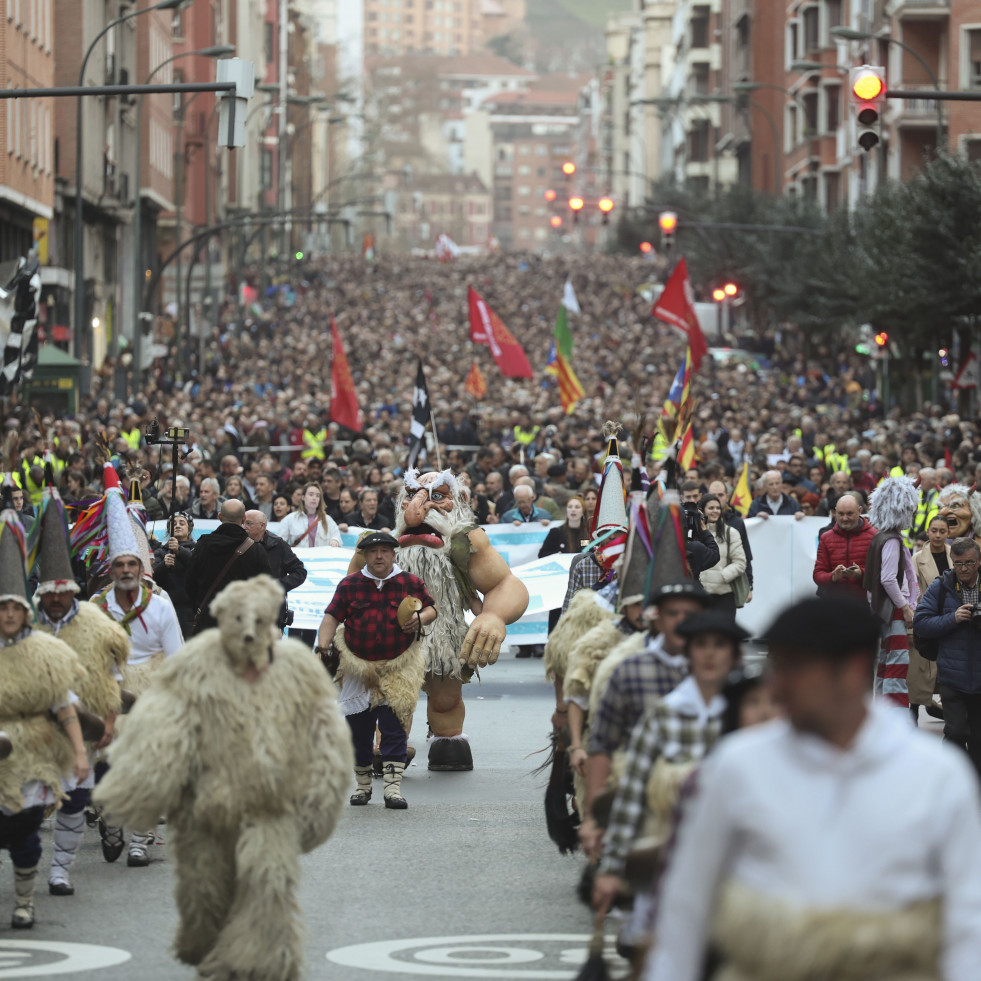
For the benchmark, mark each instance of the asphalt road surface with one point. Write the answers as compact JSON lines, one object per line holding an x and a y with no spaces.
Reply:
{"x":463,"y":884}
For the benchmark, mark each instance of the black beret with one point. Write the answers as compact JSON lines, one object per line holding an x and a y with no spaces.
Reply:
{"x":378,"y":538}
{"x":832,"y":628}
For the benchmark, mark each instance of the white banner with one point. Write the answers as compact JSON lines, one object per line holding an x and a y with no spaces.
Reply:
{"x":784,"y":551}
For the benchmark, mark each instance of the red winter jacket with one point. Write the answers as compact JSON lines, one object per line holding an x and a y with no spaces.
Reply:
{"x":837,"y":547}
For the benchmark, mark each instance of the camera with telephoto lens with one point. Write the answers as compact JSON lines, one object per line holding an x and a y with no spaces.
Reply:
{"x":693,"y":519}
{"x":976,"y":614}
{"x":285,"y":619}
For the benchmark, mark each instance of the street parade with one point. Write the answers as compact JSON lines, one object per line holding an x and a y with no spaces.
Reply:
{"x":490,"y":489}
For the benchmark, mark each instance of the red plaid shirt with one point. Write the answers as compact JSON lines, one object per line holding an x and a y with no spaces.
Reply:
{"x":371,"y":629}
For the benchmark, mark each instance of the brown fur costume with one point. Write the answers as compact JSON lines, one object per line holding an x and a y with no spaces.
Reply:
{"x":35,"y":673}
{"x":240,"y":743}
{"x":584,"y":613}
{"x":763,"y":938}
{"x":398,"y":681}
{"x":102,"y":647}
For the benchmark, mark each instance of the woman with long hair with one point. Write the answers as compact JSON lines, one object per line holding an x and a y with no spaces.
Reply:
{"x":732,"y":556}
{"x":567,"y":538}
{"x":589,"y":499}
{"x":310,"y":526}
{"x":235,"y":491}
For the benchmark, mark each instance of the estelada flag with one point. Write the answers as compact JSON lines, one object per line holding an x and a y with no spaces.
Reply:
{"x":344,"y":408}
{"x":486,"y":327}
{"x":686,"y":455}
{"x":742,"y":496}
{"x":676,"y":306}
{"x":475,"y":384}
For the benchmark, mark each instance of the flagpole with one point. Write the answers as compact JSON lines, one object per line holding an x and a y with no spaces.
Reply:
{"x":432,"y":419}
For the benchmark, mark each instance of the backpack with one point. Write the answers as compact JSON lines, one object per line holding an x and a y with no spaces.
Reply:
{"x":929,"y":647}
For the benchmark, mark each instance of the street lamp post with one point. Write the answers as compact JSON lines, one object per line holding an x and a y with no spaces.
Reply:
{"x":847,"y":34}
{"x":79,"y":220}
{"x":214,"y":51}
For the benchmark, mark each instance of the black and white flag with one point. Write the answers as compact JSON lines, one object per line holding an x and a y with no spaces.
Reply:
{"x":19,"y":301}
{"x":421,"y":414}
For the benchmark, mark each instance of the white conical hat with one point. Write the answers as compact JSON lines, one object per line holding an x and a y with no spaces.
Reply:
{"x":54,"y":562}
{"x":119,"y":528}
{"x":611,"y":506}
{"x":13,"y":560}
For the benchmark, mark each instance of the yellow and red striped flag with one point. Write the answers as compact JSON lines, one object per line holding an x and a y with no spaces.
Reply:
{"x":560,"y":364}
{"x":686,"y":455}
{"x":475,"y":384}
{"x":742,"y":496}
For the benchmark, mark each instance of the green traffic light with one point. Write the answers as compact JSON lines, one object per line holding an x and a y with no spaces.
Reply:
{"x":299,"y":256}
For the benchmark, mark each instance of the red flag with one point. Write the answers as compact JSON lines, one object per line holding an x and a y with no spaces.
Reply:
{"x":676,"y":306}
{"x":486,"y":327}
{"x":475,"y":384}
{"x":344,"y":408}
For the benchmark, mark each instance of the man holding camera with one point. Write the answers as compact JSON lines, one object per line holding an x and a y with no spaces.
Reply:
{"x":285,"y":566}
{"x":948,"y":612}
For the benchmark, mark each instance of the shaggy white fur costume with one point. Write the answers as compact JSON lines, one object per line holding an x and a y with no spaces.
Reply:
{"x":585,"y":612}
{"x":250,"y":760}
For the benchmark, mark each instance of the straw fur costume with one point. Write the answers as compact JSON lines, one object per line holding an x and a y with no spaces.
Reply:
{"x":584,"y":612}
{"x":590,"y":651}
{"x":252,"y":759}
{"x":35,"y":673}
{"x":439,"y":543}
{"x":397,"y":682}
{"x":762,"y":938}
{"x":102,"y":648}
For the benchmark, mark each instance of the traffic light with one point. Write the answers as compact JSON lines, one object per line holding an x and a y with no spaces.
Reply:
{"x":668,"y":221}
{"x":555,"y":221}
{"x":646,"y":248}
{"x":576,"y":204}
{"x":868,"y":86}
{"x":550,"y":195}
{"x":606,"y":206}
{"x":881,"y":339}
{"x":730,"y":289}
{"x":568,"y":168}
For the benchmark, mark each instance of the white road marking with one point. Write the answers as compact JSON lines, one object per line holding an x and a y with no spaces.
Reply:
{"x":16,"y":955}
{"x":516,"y":956}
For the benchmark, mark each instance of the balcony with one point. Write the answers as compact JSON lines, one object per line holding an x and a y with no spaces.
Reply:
{"x":918,"y":9}
{"x":915,"y":113}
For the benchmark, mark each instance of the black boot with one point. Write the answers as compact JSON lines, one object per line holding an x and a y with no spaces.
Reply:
{"x":450,"y":754}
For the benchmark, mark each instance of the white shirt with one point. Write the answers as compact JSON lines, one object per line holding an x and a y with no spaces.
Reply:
{"x":156,"y":629}
{"x":295,"y":529}
{"x":892,"y":820}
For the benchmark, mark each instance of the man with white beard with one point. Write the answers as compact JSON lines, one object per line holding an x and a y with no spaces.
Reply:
{"x":439,"y":543}
{"x":150,"y":620}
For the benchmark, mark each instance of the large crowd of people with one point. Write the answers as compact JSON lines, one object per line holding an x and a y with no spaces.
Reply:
{"x":644,"y":693}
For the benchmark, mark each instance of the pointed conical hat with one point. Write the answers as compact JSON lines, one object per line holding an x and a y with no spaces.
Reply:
{"x":611,"y":507}
{"x":54,"y":561}
{"x":637,"y":554}
{"x":119,"y":528}
{"x":13,"y":560}
{"x":138,"y":518}
{"x":669,"y":563}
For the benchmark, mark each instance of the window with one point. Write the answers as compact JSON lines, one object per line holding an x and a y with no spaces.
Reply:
{"x":700,"y":27}
{"x":792,"y":44}
{"x":832,"y":119}
{"x":698,"y":142}
{"x":700,"y":78}
{"x":832,"y":191}
{"x":834,"y":13}
{"x":270,"y":42}
{"x":973,"y":47}
{"x":265,"y":169}
{"x":810,"y":101}
{"x":811,"y":21}
{"x":177,"y":24}
{"x":973,"y":150}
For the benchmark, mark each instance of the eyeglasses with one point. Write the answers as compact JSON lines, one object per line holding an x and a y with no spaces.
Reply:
{"x":966,"y":565}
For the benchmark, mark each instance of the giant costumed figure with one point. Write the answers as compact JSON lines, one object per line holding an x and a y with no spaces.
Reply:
{"x":241,"y":744}
{"x":439,"y":543}
{"x":960,"y":506}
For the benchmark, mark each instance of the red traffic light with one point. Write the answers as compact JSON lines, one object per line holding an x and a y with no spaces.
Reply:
{"x":550,"y":195}
{"x":555,"y":221}
{"x":605,"y":205}
{"x":646,"y":248}
{"x":881,"y":339}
